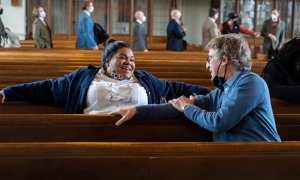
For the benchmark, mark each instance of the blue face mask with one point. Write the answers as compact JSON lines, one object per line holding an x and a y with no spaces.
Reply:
{"x":219,"y":81}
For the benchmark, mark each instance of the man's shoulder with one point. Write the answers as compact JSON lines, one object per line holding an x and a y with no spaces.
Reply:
{"x":250,"y":77}
{"x":37,"y":21}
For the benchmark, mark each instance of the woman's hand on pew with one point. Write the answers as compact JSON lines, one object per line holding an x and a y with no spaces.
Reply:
{"x":126,"y":114}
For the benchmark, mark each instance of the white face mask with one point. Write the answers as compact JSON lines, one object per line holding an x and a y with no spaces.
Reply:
{"x":43,"y":14}
{"x":274,"y":18}
{"x":144,"y":18}
{"x":91,"y":9}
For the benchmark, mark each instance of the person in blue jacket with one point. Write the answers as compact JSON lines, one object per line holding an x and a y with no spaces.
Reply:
{"x":239,"y":109}
{"x":85,"y":31}
{"x":176,"y":32}
{"x":102,"y":90}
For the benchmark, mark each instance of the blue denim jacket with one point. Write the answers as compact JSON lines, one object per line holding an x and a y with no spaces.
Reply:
{"x":85,"y":32}
{"x":242,"y":112}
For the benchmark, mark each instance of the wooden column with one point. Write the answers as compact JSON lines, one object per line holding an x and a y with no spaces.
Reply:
{"x":70,"y":15}
{"x":255,"y":15}
{"x":110,"y":19}
{"x":150,"y":20}
{"x":49,"y":7}
{"x":237,"y":6}
{"x":131,"y":15}
{"x":293,"y":18}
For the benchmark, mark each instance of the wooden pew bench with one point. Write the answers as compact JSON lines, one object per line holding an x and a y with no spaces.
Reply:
{"x":146,"y":160}
{"x":17,"y":107}
{"x":87,"y":128}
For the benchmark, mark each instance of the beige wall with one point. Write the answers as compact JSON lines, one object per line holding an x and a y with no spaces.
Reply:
{"x":194,"y":14}
{"x":14,"y":17}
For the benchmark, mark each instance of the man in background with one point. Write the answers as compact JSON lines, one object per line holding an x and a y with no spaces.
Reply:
{"x":139,"y":33}
{"x":273,"y":31}
{"x":210,"y":28}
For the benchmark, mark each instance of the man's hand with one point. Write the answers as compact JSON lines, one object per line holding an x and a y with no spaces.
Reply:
{"x":272,"y":37}
{"x":257,"y":34}
{"x":184,"y":28}
{"x":182,"y":101}
{"x":126,"y":114}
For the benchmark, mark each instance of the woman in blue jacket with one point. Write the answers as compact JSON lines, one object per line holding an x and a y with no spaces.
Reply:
{"x":102,"y":90}
{"x":85,"y":31}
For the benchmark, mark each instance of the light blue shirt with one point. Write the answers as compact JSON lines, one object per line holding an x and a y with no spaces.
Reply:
{"x":242,"y":112}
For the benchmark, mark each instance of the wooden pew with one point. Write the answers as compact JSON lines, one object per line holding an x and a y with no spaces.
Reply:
{"x":145,"y":160}
{"x":279,"y":107}
{"x":88,"y":128}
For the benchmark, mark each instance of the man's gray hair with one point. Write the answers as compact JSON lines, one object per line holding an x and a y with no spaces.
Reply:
{"x":175,"y":13}
{"x":234,"y":47}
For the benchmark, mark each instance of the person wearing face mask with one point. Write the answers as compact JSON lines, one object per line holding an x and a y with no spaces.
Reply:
{"x":3,"y":34}
{"x":210,"y":28}
{"x":41,"y":32}
{"x":139,"y":33}
{"x":239,"y":109}
{"x":232,"y":25}
{"x":282,"y":73}
{"x":176,"y":32}
{"x":273,"y":31}
{"x":85,"y":31}
{"x":93,"y":90}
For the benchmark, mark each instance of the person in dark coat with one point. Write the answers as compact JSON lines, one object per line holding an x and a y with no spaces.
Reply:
{"x":175,"y":33}
{"x":282,"y":73}
{"x":139,"y":33}
{"x":100,"y":34}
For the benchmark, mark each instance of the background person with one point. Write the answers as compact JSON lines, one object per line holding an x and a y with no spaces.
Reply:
{"x":232,"y":25}
{"x":102,"y":90}
{"x":210,"y":28}
{"x":85,"y":30}
{"x":41,"y":32}
{"x":273,"y":31}
{"x":176,"y":32}
{"x":2,"y":30}
{"x":139,"y":33}
{"x":282,"y":73}
{"x":8,"y":39}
